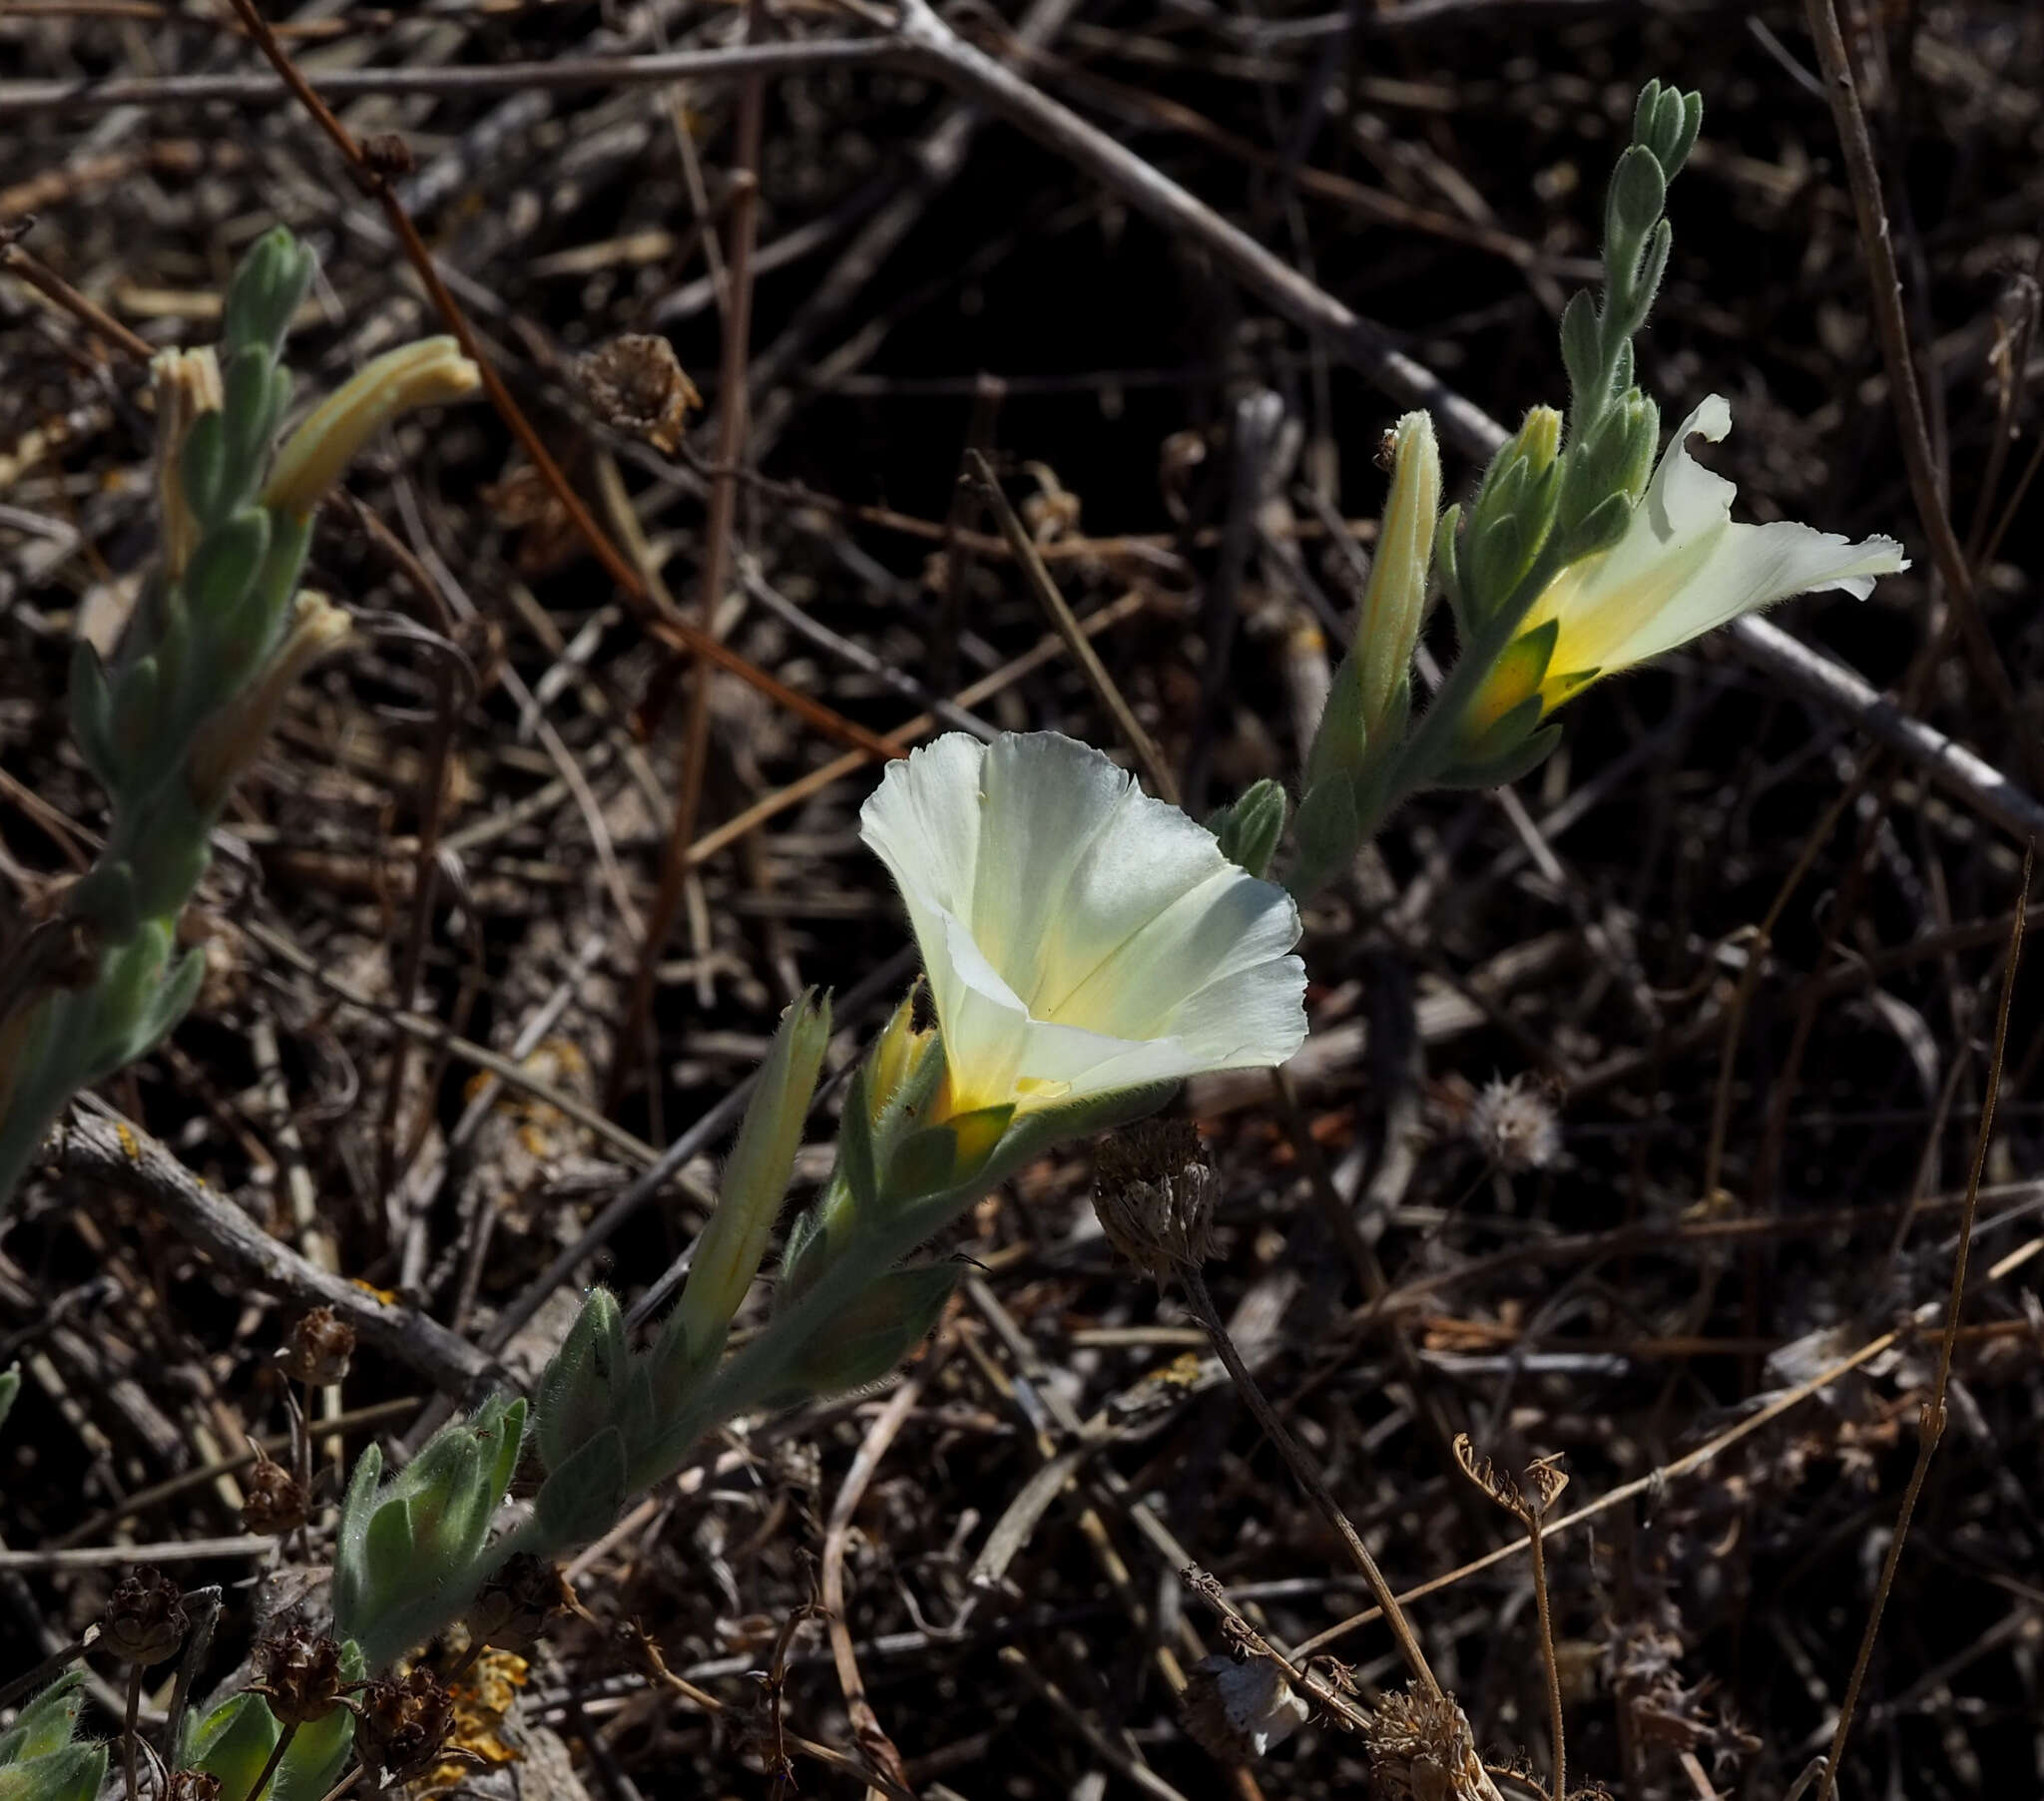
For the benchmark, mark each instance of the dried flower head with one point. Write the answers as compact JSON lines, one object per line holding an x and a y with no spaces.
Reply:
{"x":193,"y":1785}
{"x":402,"y":1723}
{"x":1513,"y":1124}
{"x":319,"y":1349}
{"x":145,"y":1618}
{"x":274,"y":1503}
{"x":1421,"y":1750}
{"x":636,"y":384}
{"x":1235,"y":1709}
{"x":1529,"y":1497}
{"x":1153,"y":1192}
{"x":300,"y":1675}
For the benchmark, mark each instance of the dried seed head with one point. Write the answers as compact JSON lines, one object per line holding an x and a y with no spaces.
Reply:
{"x":276,"y":1503}
{"x":300,"y":1675}
{"x":1154,"y":1191}
{"x":1528,"y":1497}
{"x":636,"y":384}
{"x":319,"y":1349}
{"x":515,"y":1605}
{"x":193,"y":1785}
{"x":1514,"y":1126}
{"x":1236,"y":1710}
{"x":145,"y":1618}
{"x":402,"y":1723}
{"x":1421,"y":1750}
{"x":386,"y":157}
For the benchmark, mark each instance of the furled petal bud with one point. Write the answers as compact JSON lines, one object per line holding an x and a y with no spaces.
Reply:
{"x":420,"y":374}
{"x":187,"y":384}
{"x":228,"y":741}
{"x":755,"y":1180}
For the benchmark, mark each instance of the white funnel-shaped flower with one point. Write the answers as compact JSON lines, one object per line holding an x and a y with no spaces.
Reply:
{"x":1079,"y":936}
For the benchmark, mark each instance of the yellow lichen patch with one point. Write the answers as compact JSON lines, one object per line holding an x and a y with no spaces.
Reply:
{"x":389,"y":1296}
{"x":482,"y":1700}
{"x":128,"y":1148}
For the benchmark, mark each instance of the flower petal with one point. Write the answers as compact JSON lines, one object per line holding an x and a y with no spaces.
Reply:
{"x":1683,"y":567}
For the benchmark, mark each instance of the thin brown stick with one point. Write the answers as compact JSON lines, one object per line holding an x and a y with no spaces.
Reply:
{"x":39,"y":276}
{"x":717,"y":562}
{"x":669,"y":628}
{"x":1930,"y":1422}
{"x":1885,"y":291}
{"x":1307,"y":1477}
{"x":1162,"y":782}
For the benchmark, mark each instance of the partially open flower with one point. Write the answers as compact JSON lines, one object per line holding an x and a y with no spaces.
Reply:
{"x":418,"y":374}
{"x":1682,"y":568}
{"x":1080,"y":937}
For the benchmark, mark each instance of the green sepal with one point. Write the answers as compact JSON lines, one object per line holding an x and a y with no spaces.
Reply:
{"x":580,"y":1499}
{"x":1341,"y":741}
{"x":92,"y":715}
{"x":247,"y":631}
{"x":351,"y":1568}
{"x":1582,"y":354}
{"x":104,"y":897}
{"x":946,"y":1155}
{"x":224,"y":567}
{"x":856,"y":1163}
{"x":1447,"y":562}
{"x":1634,"y":200}
{"x":248,"y":396}
{"x":1506,"y":767}
{"x":74,"y":1773}
{"x":577,"y":1385}
{"x":880,"y":1327}
{"x":1251,"y":827}
{"x":1600,"y":529}
{"x":1327,"y":831}
{"x":203,"y":468}
{"x":136,"y":690}
{"x":47,"y":1722}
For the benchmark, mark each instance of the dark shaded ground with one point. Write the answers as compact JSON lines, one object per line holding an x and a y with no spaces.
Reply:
{"x":1612,"y":1307}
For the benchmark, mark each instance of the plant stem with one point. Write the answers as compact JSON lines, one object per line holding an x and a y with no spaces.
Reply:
{"x":128,"y":1736}
{"x":1308,"y":1478}
{"x":1533,"y":1532}
{"x":283,"y":1745}
{"x":344,"y":1784}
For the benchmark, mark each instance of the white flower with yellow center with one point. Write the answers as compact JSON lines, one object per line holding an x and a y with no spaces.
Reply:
{"x":1079,"y":937}
{"x":1683,"y":569}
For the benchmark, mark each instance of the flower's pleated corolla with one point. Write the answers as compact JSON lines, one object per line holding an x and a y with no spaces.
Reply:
{"x":1080,"y":937}
{"x":1683,"y":568}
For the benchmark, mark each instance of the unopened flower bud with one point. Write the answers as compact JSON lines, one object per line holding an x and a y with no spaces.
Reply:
{"x":300,"y":1677}
{"x":756,"y":1178}
{"x":187,"y":383}
{"x":145,"y":1618}
{"x":319,"y":1349}
{"x":1154,"y":1191}
{"x":402,"y":1724}
{"x":420,"y":374}
{"x":231,"y":739}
